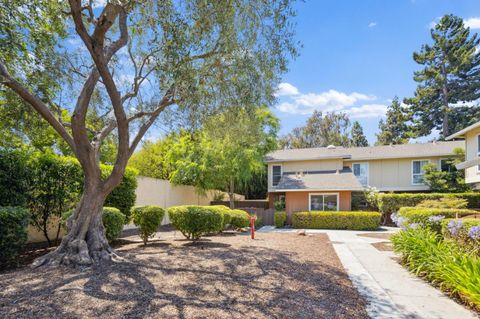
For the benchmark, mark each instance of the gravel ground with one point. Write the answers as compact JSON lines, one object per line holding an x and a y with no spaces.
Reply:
{"x":227,"y":276}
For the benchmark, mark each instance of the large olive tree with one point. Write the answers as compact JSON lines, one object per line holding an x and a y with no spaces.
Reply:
{"x":124,"y":63}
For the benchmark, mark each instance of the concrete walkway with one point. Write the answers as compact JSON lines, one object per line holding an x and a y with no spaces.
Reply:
{"x":391,"y":291}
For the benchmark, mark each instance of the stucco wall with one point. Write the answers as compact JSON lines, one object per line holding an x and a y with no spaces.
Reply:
{"x":472,"y":174}
{"x":298,"y":201}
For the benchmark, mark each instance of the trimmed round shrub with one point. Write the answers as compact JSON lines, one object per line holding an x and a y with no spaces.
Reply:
{"x":196,"y":221}
{"x":112,"y":219}
{"x":13,"y":235}
{"x":148,"y":219}
{"x":337,"y":220}
{"x":240,"y":219}
{"x":280,"y":218}
{"x":225,"y":211}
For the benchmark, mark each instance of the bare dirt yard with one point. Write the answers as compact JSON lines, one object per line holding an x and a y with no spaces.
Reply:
{"x":226,"y":276}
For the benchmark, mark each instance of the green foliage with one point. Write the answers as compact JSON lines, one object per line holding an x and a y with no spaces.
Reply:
{"x":461,"y":235}
{"x":123,"y":196}
{"x":258,"y":222}
{"x":337,"y":220}
{"x":112,"y":219}
{"x":279,"y":205}
{"x":13,"y":234}
{"x":447,"y":181}
{"x":196,"y":221}
{"x":320,"y":131}
{"x":240,"y":219}
{"x":449,"y":75}
{"x":148,"y":219}
{"x":421,"y":215}
{"x":441,"y":262}
{"x":394,"y":130}
{"x":358,"y":138}
{"x":279,"y":219}
{"x":391,"y":203}
{"x":15,"y":178}
{"x":225,"y":211}
{"x":446,"y":202}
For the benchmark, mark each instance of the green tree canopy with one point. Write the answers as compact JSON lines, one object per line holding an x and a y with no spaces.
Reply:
{"x":447,"y":179}
{"x":358,"y":138}
{"x":394,"y":129}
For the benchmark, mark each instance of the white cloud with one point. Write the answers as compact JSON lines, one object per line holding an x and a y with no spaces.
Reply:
{"x":367,"y":111}
{"x":473,"y":23}
{"x":286,"y":89}
{"x":432,"y":24}
{"x":372,"y":24}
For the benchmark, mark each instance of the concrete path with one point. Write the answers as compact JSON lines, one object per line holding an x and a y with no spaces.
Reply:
{"x":391,"y":291}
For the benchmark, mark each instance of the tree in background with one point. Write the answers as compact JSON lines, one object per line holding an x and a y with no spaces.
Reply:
{"x":226,"y":152}
{"x":320,"y":131}
{"x":136,"y":59}
{"x":446,"y":179}
{"x":394,"y":130}
{"x":358,"y":138}
{"x":451,"y":74}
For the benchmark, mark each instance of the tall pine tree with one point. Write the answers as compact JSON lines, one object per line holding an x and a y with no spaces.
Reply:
{"x":451,"y":74}
{"x":358,"y":138}
{"x":394,"y":130}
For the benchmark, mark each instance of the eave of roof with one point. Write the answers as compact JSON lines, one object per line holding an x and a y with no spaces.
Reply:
{"x":461,"y":133}
{"x":467,"y":164}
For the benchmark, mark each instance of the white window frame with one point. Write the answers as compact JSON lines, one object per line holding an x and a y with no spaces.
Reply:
{"x":440,"y":163}
{"x":411,"y":171}
{"x":478,"y":151}
{"x":323,"y":194}
{"x":281,"y":173}
{"x":368,"y":171}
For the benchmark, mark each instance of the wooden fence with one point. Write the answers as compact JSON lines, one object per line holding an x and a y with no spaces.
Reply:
{"x":266,"y":215}
{"x":240,"y":204}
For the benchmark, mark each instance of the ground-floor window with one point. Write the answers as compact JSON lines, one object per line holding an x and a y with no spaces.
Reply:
{"x":323,"y":202}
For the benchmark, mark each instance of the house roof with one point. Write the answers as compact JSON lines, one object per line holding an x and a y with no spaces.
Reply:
{"x":324,"y":181}
{"x":461,"y":134}
{"x":366,"y":153}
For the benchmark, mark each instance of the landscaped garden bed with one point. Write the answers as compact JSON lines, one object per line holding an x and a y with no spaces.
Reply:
{"x":223,"y":276}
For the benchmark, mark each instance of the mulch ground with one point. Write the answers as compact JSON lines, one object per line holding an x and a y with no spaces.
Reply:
{"x":227,"y":276}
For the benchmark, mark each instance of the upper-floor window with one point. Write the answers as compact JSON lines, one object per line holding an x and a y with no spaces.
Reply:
{"x":276,"y":174}
{"x":418,"y":172}
{"x":360,"y":170}
{"x":446,"y":165}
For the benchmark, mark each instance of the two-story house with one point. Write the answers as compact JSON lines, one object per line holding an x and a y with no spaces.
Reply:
{"x":323,"y":179}
{"x":471,"y":165}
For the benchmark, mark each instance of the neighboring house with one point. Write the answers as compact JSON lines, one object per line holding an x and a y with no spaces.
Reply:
{"x":325,"y":178}
{"x":471,"y":135}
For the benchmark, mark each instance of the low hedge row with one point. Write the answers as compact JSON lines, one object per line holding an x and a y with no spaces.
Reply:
{"x":239,"y":219}
{"x":13,"y":235}
{"x":280,"y":218}
{"x":148,"y":219}
{"x":337,"y":220}
{"x":391,"y":203}
{"x":421,"y":215}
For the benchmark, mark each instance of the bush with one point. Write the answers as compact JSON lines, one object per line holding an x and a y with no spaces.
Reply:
{"x":13,"y":234}
{"x":15,"y":178}
{"x":446,"y":202}
{"x":196,"y":221}
{"x":421,"y":215}
{"x":112,"y":219}
{"x":441,"y":262}
{"x":465,"y":231}
{"x":148,"y":219}
{"x":123,"y":196}
{"x":337,"y":220}
{"x":391,"y":203}
{"x":240,"y":219}
{"x":279,"y":219}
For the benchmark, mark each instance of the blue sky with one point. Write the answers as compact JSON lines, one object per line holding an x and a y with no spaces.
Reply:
{"x":357,"y":55}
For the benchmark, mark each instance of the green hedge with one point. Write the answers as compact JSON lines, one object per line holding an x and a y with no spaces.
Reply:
{"x":421,"y":215}
{"x":13,"y":234}
{"x":225,"y":211}
{"x":337,"y":220}
{"x":280,"y":218}
{"x":113,"y":221}
{"x":391,"y":203}
{"x":123,"y":196}
{"x":240,"y":219}
{"x":196,"y":221}
{"x":442,"y":262}
{"x":148,"y":219}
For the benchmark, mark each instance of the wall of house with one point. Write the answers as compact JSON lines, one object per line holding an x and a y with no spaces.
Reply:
{"x":298,"y":201}
{"x":472,"y":174}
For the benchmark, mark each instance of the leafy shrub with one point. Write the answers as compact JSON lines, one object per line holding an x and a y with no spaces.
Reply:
{"x":240,"y":219}
{"x":258,"y":222}
{"x":123,"y":196}
{"x":391,"y":203}
{"x":13,"y":234}
{"x":225,"y":211}
{"x":148,"y":219}
{"x":112,"y":219}
{"x":279,"y":205}
{"x":465,"y":231}
{"x":15,"y":178}
{"x":337,"y":220}
{"x":196,"y":221}
{"x":279,"y":219}
{"x":442,"y":262}
{"x":445,"y":202}
{"x":422,"y":215}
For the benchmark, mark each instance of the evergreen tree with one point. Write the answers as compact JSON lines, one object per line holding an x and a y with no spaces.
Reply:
{"x":451,"y":74}
{"x":394,"y":129}
{"x":358,"y":138}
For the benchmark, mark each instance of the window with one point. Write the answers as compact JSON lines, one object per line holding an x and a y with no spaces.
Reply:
{"x":276,"y":174}
{"x":478,"y":150}
{"x":360,"y":170}
{"x":418,"y":172}
{"x":446,"y":165}
{"x":323,"y":202}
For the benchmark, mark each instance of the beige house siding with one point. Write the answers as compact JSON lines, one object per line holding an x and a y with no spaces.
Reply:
{"x":298,"y":201}
{"x":472,"y":174}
